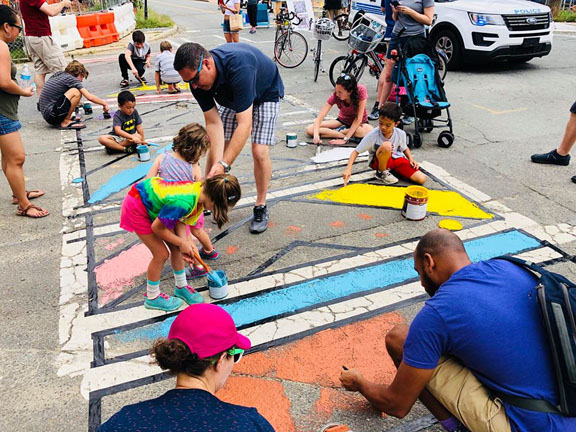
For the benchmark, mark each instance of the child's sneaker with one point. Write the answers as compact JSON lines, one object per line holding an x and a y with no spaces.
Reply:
{"x":112,"y":151}
{"x":214,"y":255}
{"x":163,"y":302}
{"x":189,"y":295}
{"x":194,"y":272}
{"x":130,"y":149}
{"x":386,"y":177}
{"x":124,"y":83}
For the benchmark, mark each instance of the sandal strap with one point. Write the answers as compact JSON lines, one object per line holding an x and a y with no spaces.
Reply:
{"x":25,"y":210}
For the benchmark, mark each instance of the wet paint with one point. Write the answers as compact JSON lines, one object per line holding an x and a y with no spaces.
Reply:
{"x":444,"y":203}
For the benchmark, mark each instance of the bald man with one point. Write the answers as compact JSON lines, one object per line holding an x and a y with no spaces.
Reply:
{"x":481,"y":328}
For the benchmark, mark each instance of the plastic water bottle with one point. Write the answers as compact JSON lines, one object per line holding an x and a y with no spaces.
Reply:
{"x":25,"y":77}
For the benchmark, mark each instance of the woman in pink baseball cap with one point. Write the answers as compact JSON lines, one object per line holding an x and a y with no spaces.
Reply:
{"x":201,"y":349}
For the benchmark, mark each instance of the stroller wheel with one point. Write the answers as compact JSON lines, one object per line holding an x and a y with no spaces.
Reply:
{"x":417,"y":140}
{"x":445,"y":139}
{"x":409,"y":141}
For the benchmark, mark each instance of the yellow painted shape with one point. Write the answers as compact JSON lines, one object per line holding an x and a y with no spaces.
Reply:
{"x":450,"y":224}
{"x":444,"y":203}
{"x":148,"y":87}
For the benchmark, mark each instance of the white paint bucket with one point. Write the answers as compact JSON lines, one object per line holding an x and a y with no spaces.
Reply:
{"x":291,"y":140}
{"x":217,"y":284}
{"x":415,"y":203}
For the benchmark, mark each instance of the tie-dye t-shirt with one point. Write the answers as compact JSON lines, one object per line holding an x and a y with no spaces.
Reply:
{"x":170,"y":201}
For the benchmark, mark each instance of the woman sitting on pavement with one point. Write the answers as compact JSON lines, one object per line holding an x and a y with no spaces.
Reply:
{"x":11,"y":147}
{"x":352,"y":122}
{"x":201,"y":350}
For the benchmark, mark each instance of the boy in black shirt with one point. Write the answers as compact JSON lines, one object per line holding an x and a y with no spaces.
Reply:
{"x":127,"y":131}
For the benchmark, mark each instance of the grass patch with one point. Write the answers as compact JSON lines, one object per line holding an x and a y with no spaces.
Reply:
{"x":154,"y":20}
{"x":565,"y":16}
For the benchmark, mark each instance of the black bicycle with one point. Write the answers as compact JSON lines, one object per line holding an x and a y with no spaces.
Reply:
{"x":322,"y":30}
{"x":290,"y":47}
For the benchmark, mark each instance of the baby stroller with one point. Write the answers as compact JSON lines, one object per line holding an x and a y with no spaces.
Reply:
{"x":425,"y":97}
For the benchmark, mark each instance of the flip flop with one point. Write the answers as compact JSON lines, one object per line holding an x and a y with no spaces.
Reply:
{"x":24,"y":211}
{"x":37,"y":194}
{"x":73,"y":126}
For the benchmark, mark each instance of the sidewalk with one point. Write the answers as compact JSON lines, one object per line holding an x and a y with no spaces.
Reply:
{"x":565,"y":28}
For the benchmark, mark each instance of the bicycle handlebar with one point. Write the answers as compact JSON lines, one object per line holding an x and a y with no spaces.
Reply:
{"x":283,"y":15}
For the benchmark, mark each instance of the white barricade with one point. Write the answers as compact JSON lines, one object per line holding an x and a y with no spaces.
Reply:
{"x":124,"y":19}
{"x":65,"y":32}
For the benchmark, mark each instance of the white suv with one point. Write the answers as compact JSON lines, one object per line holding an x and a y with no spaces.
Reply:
{"x":472,"y":31}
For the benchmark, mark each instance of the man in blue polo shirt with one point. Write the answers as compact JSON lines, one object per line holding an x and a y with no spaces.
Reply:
{"x":480,"y":329}
{"x":239,"y":89}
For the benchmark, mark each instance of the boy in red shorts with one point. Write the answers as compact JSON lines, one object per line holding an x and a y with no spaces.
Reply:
{"x":389,"y":153}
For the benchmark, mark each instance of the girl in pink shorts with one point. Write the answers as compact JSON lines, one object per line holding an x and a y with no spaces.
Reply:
{"x":158,"y":211}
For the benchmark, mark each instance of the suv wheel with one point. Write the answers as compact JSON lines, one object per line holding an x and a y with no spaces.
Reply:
{"x":449,"y":42}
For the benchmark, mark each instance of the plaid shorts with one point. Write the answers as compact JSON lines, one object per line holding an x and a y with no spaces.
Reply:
{"x":264,"y":118}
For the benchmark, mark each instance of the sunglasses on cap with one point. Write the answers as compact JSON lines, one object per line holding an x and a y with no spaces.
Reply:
{"x":237,"y":353}
{"x":345,"y":76}
{"x":197,"y":77}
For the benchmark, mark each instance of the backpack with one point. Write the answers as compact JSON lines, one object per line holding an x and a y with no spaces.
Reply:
{"x":557,"y":299}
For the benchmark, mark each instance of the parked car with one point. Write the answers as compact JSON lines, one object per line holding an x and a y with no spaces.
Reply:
{"x":478,"y":31}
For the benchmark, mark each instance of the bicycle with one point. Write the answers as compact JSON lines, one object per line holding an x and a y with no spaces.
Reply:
{"x":323,"y":28}
{"x":290,"y":47}
{"x":341,"y":30}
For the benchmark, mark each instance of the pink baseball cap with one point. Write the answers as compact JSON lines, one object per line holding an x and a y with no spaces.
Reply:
{"x":207,"y":329}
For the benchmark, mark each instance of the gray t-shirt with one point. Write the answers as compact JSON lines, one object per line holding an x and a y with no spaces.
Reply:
{"x":139,"y":53}
{"x":54,"y":89}
{"x":127,"y":123}
{"x":165,"y":65}
{"x":375,"y":138}
{"x":406,"y":22}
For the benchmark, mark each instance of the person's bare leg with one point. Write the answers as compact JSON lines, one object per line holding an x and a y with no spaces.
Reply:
{"x":108,"y":141}
{"x":13,"y":157}
{"x":235,"y":37}
{"x":159,"y":255}
{"x":362,"y":130}
{"x":228,"y":37}
{"x":203,"y":238}
{"x":419,"y":177}
{"x":74,"y":97}
{"x":383,"y":155}
{"x":395,"y":346}
{"x":387,"y":82}
{"x":262,"y":171}
{"x":39,"y":80}
{"x":569,"y":138}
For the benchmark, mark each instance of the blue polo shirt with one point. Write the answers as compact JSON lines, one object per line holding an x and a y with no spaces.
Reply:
{"x":245,"y":77}
{"x":487,"y":315}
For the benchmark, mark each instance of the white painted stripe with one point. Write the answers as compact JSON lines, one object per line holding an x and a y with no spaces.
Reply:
{"x":117,"y":373}
{"x":290,"y":113}
{"x":174,"y":44}
{"x":298,"y":122}
{"x":193,"y":31}
{"x":185,"y":40}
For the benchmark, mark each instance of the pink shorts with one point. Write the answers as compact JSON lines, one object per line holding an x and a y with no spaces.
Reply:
{"x":134,"y":216}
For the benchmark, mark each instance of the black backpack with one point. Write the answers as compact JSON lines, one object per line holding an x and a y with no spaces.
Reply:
{"x":557,"y":299}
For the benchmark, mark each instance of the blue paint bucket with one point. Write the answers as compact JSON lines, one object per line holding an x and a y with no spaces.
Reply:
{"x":143,"y":153}
{"x":217,"y":284}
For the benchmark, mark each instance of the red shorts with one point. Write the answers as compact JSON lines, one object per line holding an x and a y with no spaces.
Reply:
{"x":399,"y":166}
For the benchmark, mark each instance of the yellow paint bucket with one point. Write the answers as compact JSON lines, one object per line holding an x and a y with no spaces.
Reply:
{"x":415,"y":203}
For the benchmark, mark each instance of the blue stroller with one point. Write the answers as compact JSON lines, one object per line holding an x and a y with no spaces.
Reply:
{"x":425,"y":98}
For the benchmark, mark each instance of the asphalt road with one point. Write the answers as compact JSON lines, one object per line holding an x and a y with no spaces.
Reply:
{"x":502,"y":114}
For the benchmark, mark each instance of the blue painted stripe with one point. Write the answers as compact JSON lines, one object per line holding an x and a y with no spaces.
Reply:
{"x":355,"y":282}
{"x":123,"y":179}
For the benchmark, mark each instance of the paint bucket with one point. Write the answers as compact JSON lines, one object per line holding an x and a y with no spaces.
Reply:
{"x":291,"y":140}
{"x":87,"y":108}
{"x":143,"y":153}
{"x":415,"y":203}
{"x":217,"y":284}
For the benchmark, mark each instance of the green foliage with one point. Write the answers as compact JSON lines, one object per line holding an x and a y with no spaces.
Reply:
{"x":565,"y":16}
{"x":154,"y":20}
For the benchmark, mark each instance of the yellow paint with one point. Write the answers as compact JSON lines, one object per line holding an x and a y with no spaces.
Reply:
{"x":450,"y":224}
{"x":444,"y":203}
{"x":496,"y":112}
{"x":418,"y":192}
{"x":181,"y":86}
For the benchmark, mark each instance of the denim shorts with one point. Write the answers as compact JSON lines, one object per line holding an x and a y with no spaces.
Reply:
{"x":396,"y":42}
{"x":8,"y":126}
{"x":226,"y":27}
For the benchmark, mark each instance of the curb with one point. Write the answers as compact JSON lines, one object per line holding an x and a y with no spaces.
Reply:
{"x":109,"y":49}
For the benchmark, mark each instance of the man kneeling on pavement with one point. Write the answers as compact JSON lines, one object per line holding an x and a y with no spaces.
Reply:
{"x":480,"y":330}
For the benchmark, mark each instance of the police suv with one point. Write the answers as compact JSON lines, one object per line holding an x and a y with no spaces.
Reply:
{"x":476,"y":31}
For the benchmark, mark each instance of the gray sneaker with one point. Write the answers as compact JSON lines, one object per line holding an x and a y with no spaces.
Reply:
{"x":260,"y":221}
{"x":386,"y":177}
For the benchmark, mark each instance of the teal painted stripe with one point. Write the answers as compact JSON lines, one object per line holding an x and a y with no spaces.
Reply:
{"x":351,"y":283}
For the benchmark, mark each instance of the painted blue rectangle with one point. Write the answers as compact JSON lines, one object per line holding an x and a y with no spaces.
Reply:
{"x":351,"y":283}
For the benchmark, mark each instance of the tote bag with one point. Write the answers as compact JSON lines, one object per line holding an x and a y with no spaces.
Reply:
{"x":236,"y":23}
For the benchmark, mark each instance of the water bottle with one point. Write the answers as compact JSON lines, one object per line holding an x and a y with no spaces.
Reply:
{"x":25,"y":77}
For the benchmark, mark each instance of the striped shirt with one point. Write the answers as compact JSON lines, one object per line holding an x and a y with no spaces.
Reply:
{"x":165,"y":65}
{"x":54,"y":89}
{"x":172,"y":168}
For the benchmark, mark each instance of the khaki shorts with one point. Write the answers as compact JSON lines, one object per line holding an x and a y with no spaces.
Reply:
{"x":45,"y":53}
{"x":460,"y":392}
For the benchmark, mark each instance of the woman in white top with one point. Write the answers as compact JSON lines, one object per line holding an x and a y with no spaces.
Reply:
{"x":229,"y":8}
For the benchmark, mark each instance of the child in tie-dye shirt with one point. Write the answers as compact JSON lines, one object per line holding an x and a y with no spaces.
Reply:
{"x":158,"y":211}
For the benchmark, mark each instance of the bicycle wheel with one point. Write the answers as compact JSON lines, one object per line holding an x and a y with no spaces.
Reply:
{"x":317,"y":55}
{"x":341,"y":30}
{"x":349,"y":64}
{"x":290,"y":49}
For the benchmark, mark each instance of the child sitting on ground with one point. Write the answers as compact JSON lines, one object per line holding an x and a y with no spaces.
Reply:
{"x":127,"y":131}
{"x":136,"y":58}
{"x":61,"y":95}
{"x":389,"y":153}
{"x":181,"y":164}
{"x":165,"y":72}
{"x":158,"y":211}
{"x":352,"y":122}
